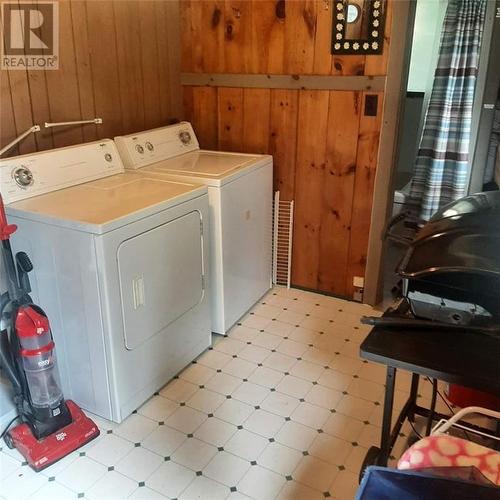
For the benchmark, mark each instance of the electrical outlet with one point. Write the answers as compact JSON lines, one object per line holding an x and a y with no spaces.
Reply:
{"x":358,"y":281}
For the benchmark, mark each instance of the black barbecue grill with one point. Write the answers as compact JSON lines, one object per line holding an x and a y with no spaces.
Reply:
{"x":451,"y":269}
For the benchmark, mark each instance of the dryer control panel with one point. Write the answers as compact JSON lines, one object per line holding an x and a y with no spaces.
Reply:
{"x":34,"y":174}
{"x":151,"y":146}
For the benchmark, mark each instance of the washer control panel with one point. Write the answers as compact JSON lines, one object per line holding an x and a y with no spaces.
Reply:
{"x":34,"y":174}
{"x":151,"y":146}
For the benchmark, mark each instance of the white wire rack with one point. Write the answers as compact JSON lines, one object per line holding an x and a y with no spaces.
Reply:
{"x":454,"y":422}
{"x":282,"y":240}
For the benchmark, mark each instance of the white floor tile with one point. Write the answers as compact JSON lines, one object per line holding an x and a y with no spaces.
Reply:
{"x":22,"y":484}
{"x":254,"y":321}
{"x":267,"y":311}
{"x":280,"y":362}
{"x":335,"y":380}
{"x":7,"y":466}
{"x":223,"y":383}
{"x":310,"y":415}
{"x":343,"y":426}
{"x":54,"y":491}
{"x":345,"y":485}
{"x":186,"y":419}
{"x":296,"y":436}
{"x":164,"y":441}
{"x":307,"y":370}
{"x":136,"y":428}
{"x":266,"y":377}
{"x":366,"y":390}
{"x":279,"y":328}
{"x":293,"y":386}
{"x":226,"y":468}
{"x":171,"y":479}
{"x":267,"y":340}
{"x":82,"y":474}
{"x":230,"y":346}
{"x":369,"y":436}
{"x":296,"y":491}
{"x":243,"y":333}
{"x":355,"y":407}
{"x":279,"y":403}
{"x":345,"y":364}
{"x":205,"y":400}
{"x":355,"y":459}
{"x":330,"y":449}
{"x":194,"y":454}
{"x":179,"y":390}
{"x":254,"y":353}
{"x":246,"y":444}
{"x":292,"y":348}
{"x":240,"y":368}
{"x":145,"y":493}
{"x":158,"y":408}
{"x":280,"y":459}
{"x":233,"y":411}
{"x":250,"y":393}
{"x":292,"y":317}
{"x":214,"y":359}
{"x":261,"y":483}
{"x":315,"y":355}
{"x":215,"y":431}
{"x":323,"y":396}
{"x":315,"y":473}
{"x":300,"y":418}
{"x":110,"y":449}
{"x":204,"y":488}
{"x":197,"y":374}
{"x":139,"y":464}
{"x":113,"y":486}
{"x":305,"y":335}
{"x":264,"y":423}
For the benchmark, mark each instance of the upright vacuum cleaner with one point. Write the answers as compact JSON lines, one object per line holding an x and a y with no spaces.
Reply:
{"x":50,"y":427}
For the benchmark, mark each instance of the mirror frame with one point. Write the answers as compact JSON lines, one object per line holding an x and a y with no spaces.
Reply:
{"x":373,"y":44}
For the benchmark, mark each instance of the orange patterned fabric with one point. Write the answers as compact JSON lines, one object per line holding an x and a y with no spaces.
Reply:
{"x":449,"y":451}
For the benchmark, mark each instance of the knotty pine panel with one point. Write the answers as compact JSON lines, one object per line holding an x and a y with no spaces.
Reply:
{"x":118,"y":60}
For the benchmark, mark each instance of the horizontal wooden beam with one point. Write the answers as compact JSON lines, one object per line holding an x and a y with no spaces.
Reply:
{"x":298,"y":82}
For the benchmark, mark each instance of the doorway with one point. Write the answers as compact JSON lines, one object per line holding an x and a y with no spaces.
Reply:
{"x":429,"y":21}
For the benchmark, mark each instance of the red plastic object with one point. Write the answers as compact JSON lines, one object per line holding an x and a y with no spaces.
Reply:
{"x":464,"y":396}
{"x":41,"y":454}
{"x":6,"y":229}
{"x":30,"y":323}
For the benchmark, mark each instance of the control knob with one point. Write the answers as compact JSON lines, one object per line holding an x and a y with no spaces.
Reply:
{"x":23,"y":177}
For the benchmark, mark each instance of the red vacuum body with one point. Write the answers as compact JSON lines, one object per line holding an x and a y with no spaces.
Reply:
{"x":50,"y":427}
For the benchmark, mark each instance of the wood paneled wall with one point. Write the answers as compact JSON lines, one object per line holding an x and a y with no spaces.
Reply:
{"x":119,"y":60}
{"x":324,"y":145}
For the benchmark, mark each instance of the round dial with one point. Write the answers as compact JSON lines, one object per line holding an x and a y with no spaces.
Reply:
{"x":149,"y":146}
{"x":139,"y":149}
{"x":108,"y":157}
{"x":185,"y":137}
{"x":23,"y":177}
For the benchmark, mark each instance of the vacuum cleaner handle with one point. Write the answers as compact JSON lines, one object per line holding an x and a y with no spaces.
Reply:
{"x":24,"y":266}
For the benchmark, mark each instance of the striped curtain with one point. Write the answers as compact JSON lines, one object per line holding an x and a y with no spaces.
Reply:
{"x":442,"y":163}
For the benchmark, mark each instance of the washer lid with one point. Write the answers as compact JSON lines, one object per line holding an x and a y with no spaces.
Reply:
{"x":106,"y":204}
{"x":208,"y":166}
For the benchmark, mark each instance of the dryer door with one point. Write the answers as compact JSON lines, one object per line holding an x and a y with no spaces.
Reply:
{"x":161,"y":277}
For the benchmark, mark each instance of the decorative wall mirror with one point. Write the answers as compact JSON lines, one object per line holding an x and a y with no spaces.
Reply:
{"x":358,"y":26}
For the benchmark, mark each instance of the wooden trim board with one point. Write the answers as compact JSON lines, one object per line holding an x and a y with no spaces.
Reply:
{"x":297,"y":82}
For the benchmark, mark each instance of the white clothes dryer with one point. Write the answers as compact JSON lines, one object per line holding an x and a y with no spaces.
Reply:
{"x":120,"y":264}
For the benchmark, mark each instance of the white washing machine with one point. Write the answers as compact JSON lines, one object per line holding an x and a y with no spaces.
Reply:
{"x":240,"y":197}
{"x":119,"y":266}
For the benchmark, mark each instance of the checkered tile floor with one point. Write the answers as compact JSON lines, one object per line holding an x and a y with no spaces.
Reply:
{"x":282,"y":407}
